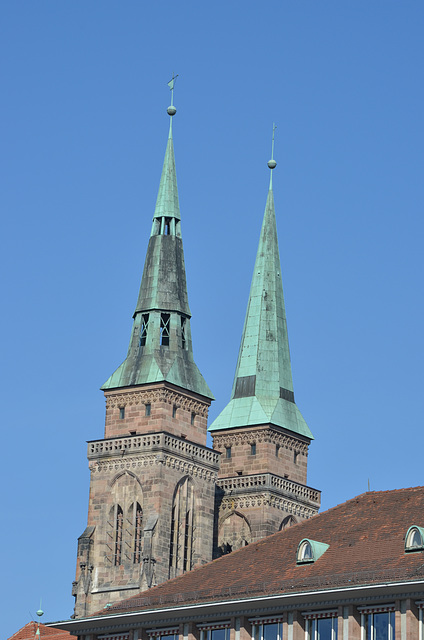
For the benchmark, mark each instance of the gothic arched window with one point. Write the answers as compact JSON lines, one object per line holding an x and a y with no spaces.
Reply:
{"x":136,"y":520}
{"x":125,"y":530}
{"x":118,"y":526}
{"x":182,"y":529}
{"x":234,"y":533}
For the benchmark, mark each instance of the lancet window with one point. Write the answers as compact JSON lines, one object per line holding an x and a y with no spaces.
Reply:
{"x":135,"y":520}
{"x":118,"y":522}
{"x":125,"y":531}
{"x":182,"y":529}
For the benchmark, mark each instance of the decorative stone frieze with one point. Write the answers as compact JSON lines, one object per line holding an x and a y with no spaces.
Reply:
{"x":258,"y":436}
{"x":151,"y":396}
{"x":151,"y":460}
{"x":231,"y":503}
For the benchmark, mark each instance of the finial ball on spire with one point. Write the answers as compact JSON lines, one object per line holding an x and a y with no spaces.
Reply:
{"x":272,"y":164}
{"x":171,"y":111}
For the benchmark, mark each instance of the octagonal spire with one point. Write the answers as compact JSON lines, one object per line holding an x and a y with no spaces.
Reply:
{"x":263,"y":387}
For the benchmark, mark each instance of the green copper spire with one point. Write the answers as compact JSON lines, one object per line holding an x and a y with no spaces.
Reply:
{"x":160,"y":347}
{"x":167,"y":204}
{"x":263,"y":387}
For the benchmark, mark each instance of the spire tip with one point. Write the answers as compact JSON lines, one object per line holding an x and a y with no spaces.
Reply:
{"x":271,"y":163}
{"x":171,"y":110}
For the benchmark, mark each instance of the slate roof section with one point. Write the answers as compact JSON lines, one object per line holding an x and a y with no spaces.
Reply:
{"x":366,"y":547}
{"x":29,"y":630}
{"x":263,"y":386}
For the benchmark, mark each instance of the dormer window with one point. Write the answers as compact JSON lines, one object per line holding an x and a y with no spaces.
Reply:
{"x":310,"y":550}
{"x":414,"y":539}
{"x":305,"y":553}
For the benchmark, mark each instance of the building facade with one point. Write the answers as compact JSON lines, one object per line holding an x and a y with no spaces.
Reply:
{"x":161,"y":501}
{"x":354,"y":572}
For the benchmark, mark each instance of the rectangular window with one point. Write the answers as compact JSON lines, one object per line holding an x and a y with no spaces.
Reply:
{"x":219,"y":634}
{"x":379,"y":626}
{"x":322,"y":625}
{"x":148,"y":409}
{"x":174,"y":411}
{"x":121,"y":413}
{"x":268,"y":629}
{"x":277,"y":449}
{"x":253,"y":449}
{"x":216,"y":633}
{"x":228,"y":452}
{"x":163,"y":634}
{"x":193,"y":415}
{"x":164,"y":329}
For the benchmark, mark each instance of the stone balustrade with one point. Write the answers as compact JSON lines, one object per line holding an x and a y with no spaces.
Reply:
{"x":269,"y":481}
{"x":137,"y":444}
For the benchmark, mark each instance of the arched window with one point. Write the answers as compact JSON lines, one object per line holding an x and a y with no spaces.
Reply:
{"x":288,"y":522}
{"x":119,"y":522}
{"x":125,"y":530}
{"x":414,"y":539}
{"x":135,"y":520}
{"x":234,"y":533}
{"x":305,"y":552}
{"x":310,"y":550}
{"x":182,"y":529}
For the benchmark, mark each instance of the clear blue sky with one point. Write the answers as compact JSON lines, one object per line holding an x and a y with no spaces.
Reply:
{"x":83,"y":133}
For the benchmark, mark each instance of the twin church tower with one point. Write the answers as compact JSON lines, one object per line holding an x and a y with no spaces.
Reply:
{"x":161,"y":501}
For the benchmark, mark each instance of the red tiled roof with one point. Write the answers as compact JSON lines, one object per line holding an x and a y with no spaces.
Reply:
{"x":366,"y":537}
{"x":29,"y":630}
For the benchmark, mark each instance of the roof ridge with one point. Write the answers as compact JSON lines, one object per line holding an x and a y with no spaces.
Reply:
{"x":22,"y":628}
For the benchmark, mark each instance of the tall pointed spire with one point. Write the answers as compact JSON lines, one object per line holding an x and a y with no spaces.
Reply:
{"x":263,"y":388}
{"x":160,"y":346}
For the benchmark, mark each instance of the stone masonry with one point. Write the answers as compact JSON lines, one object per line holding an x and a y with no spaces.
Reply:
{"x":141,"y":460}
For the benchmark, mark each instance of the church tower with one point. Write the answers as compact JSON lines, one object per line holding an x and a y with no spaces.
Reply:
{"x":261,"y":433}
{"x":153,"y":478}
